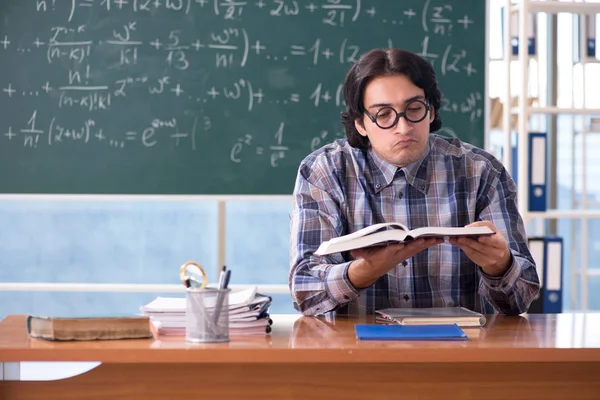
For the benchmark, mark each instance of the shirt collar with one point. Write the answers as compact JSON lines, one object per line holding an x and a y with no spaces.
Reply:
{"x":415,"y":173}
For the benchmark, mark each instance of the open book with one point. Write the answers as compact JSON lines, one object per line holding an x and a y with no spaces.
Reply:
{"x":386,"y":232}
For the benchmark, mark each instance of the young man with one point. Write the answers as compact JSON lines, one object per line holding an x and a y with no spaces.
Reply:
{"x":391,"y":168}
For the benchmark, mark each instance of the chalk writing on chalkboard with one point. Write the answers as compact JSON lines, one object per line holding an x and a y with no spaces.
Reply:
{"x":249,"y":85}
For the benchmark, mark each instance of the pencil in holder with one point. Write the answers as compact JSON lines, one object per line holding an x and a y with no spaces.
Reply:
{"x":207,"y":315}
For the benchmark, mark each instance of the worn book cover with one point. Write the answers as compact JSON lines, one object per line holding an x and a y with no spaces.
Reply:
{"x":88,"y":328}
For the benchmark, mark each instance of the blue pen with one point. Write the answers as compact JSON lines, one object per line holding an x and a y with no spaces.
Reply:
{"x":226,"y":280}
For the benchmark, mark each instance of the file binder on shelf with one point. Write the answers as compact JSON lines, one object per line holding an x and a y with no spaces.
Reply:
{"x":547,"y":252}
{"x":536,"y":248}
{"x":589,"y":36}
{"x":553,"y":273}
{"x":537,"y":170}
{"x":514,"y":33}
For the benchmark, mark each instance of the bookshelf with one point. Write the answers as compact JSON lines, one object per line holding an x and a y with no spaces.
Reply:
{"x":579,"y":211}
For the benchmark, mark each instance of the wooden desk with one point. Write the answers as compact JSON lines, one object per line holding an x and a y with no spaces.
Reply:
{"x":534,"y":357}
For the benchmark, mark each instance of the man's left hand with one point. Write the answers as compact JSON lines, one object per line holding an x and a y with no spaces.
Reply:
{"x":491,"y":253}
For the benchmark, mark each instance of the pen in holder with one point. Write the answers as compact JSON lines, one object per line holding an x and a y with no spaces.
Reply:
{"x":207,"y":315}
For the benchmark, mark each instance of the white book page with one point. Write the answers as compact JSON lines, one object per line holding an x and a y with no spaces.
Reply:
{"x":368,"y":230}
{"x":395,"y":236}
{"x":359,"y":242}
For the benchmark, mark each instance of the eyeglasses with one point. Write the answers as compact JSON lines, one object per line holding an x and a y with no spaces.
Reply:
{"x":388,"y":117}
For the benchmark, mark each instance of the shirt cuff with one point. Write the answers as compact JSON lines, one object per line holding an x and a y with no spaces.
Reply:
{"x":506,"y":282}
{"x":338,"y":285}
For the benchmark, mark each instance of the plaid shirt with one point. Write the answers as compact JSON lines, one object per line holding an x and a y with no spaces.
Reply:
{"x":340,"y":189}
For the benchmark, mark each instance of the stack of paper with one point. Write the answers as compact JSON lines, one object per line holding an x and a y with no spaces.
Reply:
{"x":248,"y":314}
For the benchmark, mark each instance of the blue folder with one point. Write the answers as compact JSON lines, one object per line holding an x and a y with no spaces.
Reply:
{"x":409,"y":332}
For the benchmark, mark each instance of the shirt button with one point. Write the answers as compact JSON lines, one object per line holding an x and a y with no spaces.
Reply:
{"x":378,"y":186}
{"x":400,"y":195}
{"x":346,"y":297}
{"x":404,"y":263}
{"x":406,"y":297}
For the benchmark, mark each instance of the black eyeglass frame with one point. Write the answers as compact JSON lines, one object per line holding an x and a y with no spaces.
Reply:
{"x":399,"y":114}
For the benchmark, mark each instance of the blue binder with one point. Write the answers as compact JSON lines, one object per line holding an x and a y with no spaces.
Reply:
{"x":409,"y":332}
{"x":589,"y":36}
{"x":537,"y":246}
{"x":547,"y":252}
{"x":514,"y":33}
{"x":553,"y":269}
{"x":537,"y":170}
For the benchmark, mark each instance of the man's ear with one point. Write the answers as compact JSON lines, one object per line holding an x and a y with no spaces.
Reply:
{"x":431,"y":114}
{"x":358,"y":124}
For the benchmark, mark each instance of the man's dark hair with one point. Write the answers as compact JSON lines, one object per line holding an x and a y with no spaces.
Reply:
{"x":389,"y":62}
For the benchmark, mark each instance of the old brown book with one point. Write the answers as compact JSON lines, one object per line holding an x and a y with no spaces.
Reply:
{"x":92,"y":328}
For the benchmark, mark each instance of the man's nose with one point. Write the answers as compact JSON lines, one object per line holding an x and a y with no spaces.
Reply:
{"x":403,"y":126}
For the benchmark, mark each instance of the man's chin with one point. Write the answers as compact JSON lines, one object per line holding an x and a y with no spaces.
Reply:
{"x":402,"y":159}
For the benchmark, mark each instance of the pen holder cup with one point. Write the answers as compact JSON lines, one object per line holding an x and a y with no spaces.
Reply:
{"x":207,"y":315}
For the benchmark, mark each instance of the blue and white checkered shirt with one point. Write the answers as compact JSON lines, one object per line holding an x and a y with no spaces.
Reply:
{"x":340,"y":189}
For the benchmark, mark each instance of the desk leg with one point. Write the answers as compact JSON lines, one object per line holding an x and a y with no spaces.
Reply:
{"x":352,"y":381}
{"x":10,"y":371}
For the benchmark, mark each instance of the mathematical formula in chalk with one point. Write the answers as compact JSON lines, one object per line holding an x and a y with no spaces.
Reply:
{"x":263,"y":78}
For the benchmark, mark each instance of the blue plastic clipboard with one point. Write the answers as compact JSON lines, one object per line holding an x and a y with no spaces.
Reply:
{"x":409,"y":332}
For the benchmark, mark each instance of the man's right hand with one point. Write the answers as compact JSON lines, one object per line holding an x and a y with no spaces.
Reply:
{"x":373,"y":262}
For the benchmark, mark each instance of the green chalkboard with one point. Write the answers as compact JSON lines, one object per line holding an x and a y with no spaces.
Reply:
{"x":205,"y":96}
